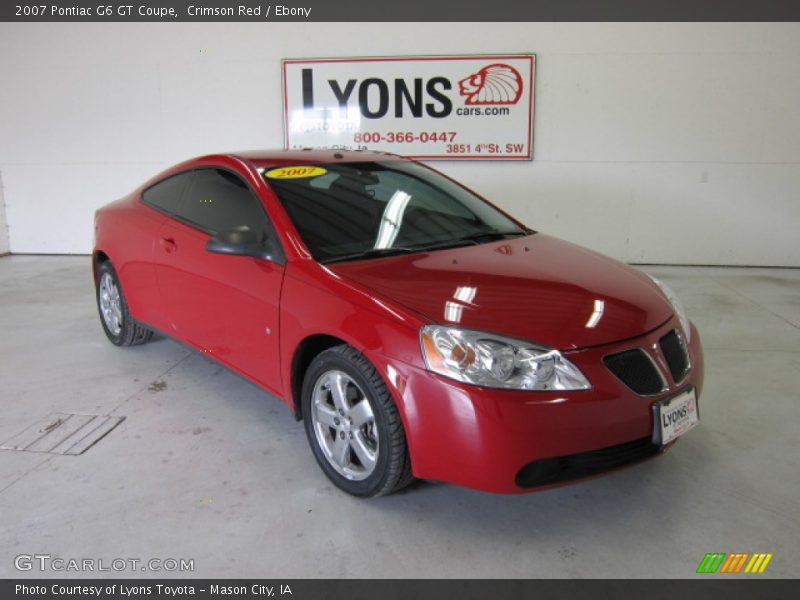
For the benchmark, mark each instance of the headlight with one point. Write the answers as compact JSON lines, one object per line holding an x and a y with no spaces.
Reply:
{"x":677,"y":305}
{"x":493,"y":361}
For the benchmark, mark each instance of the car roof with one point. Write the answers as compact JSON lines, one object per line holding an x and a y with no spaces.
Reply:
{"x":264,"y":158}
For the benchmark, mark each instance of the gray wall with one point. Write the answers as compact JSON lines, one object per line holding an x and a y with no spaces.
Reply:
{"x":4,"y":248}
{"x":654,"y":142}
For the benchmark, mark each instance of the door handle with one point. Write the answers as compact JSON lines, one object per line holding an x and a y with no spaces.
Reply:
{"x":168,"y":244}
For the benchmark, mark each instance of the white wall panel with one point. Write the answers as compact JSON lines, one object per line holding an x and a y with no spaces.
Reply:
{"x":4,"y":247}
{"x":654,"y":142}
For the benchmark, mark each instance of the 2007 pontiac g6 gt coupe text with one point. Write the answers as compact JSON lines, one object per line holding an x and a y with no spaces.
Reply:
{"x":416,"y":329}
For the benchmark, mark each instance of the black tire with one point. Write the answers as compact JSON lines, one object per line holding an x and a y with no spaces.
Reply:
{"x":121,"y":329}
{"x":391,"y":470}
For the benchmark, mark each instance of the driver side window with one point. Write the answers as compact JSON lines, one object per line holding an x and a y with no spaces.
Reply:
{"x":217,"y":200}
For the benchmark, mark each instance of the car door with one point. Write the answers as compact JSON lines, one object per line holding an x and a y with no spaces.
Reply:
{"x":143,"y":225}
{"x":224,"y":305}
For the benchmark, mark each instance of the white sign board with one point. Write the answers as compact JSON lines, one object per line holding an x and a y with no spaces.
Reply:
{"x":436,"y":107}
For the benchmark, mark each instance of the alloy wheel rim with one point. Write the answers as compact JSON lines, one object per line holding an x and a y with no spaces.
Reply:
{"x":110,"y":304}
{"x":344,"y":425}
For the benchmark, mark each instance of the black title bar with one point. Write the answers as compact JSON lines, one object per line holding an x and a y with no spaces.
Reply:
{"x":710,"y":588}
{"x":407,"y":10}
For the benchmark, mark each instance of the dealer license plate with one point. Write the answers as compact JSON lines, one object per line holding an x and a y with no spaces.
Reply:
{"x":674,"y":417}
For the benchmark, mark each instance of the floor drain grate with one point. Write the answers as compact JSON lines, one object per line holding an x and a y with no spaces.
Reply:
{"x":63,"y":433}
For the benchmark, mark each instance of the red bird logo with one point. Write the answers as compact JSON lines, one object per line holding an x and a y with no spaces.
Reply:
{"x":495,"y":84}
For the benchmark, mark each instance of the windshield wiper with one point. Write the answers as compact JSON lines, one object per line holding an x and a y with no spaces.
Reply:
{"x":371,"y":253}
{"x":492,"y":235}
{"x":473,"y":239}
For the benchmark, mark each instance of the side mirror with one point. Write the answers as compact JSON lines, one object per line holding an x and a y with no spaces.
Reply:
{"x":239,"y":241}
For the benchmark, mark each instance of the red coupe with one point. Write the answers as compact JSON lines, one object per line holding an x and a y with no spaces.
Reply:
{"x":416,"y":329}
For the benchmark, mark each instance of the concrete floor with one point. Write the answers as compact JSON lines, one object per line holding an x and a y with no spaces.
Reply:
{"x":208,"y":467}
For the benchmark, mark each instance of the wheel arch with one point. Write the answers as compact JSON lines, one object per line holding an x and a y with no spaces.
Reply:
{"x":305,"y":352}
{"x":99,"y":257}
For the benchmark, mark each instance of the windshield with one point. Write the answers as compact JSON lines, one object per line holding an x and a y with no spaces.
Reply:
{"x":347,"y":211}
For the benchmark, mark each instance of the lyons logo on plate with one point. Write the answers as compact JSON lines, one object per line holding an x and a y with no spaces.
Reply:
{"x":295,"y":172}
{"x":735,"y":562}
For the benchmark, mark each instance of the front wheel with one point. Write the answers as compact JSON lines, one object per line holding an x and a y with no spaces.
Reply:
{"x":117,"y":323}
{"x":353,"y":426}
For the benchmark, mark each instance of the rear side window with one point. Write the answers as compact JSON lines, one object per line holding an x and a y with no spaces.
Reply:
{"x":166,"y":195}
{"x":217,"y":201}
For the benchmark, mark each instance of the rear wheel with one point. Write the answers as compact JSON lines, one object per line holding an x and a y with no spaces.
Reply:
{"x":353,"y":425}
{"x":120,"y":329}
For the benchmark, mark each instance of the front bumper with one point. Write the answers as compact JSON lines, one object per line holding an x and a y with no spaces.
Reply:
{"x":487,"y":439}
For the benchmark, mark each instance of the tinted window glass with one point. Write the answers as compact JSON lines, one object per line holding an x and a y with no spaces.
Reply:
{"x":166,"y":195}
{"x":217,"y":201}
{"x":375,"y":207}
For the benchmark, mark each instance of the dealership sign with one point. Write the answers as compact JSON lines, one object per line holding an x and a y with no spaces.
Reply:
{"x":444,"y":107}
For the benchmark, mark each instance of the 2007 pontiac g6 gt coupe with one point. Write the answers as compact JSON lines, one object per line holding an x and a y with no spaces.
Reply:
{"x":416,"y":329}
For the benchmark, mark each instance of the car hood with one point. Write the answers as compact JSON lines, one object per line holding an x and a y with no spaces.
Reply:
{"x":535,"y":288}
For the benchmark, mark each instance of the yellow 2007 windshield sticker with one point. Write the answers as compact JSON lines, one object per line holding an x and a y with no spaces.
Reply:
{"x":295,"y":172}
